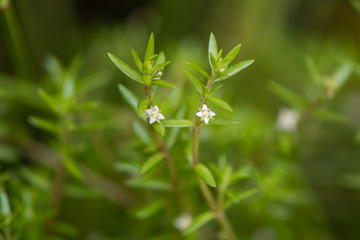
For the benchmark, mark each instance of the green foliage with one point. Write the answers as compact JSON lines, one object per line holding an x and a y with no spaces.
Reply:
{"x":205,"y":174}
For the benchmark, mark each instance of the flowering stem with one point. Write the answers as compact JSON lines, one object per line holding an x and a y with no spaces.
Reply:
{"x":210,"y":200}
{"x":168,"y":161}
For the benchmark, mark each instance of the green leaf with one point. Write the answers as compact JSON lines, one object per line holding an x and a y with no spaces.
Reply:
{"x":149,"y":184}
{"x":194,"y":80}
{"x":328,"y":115}
{"x":199,"y":221}
{"x":231,"y":55}
{"x":342,"y":74}
{"x":160,"y":58}
{"x":72,"y":168}
{"x":314,"y":72}
{"x":178,"y":123}
{"x":129,"y":97}
{"x":236,"y":198}
{"x":163,"y":83}
{"x":234,"y":69}
{"x":214,"y":89}
{"x":159,"y":128}
{"x":285,"y":94}
{"x":174,"y":132}
{"x":151,"y":162}
{"x":218,"y":57}
{"x":142,"y":133}
{"x":221,"y":103}
{"x":197,"y":68}
{"x":137,"y":59}
{"x":150,"y":48}
{"x":4,"y":204}
{"x":44,"y":124}
{"x":150,"y":209}
{"x":205,"y":174}
{"x":51,"y":101}
{"x":217,"y":121}
{"x":213,"y":49}
{"x":126,"y":69}
{"x":213,"y":63}
{"x":156,"y":68}
{"x":142,"y":106}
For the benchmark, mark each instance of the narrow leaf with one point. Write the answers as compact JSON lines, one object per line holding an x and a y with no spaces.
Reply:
{"x":151,"y":162}
{"x":174,"y":132}
{"x":194,"y":80}
{"x":158,"y":67}
{"x":313,"y":71}
{"x":236,"y":198}
{"x":149,"y":184}
{"x":197,"y":68}
{"x":234,"y":69}
{"x":199,"y":221}
{"x":178,"y":123}
{"x":205,"y":174}
{"x":217,"y":121}
{"x":160,"y":58}
{"x":159,"y":128}
{"x":150,"y":48}
{"x":342,"y":74}
{"x":129,"y":97}
{"x":51,"y":101}
{"x":213,"y":49}
{"x":231,"y":55}
{"x":4,"y":204}
{"x":72,"y":168}
{"x":44,"y":124}
{"x":142,"y":106}
{"x":150,"y":209}
{"x":163,"y":83}
{"x":328,"y":115}
{"x":213,"y":63}
{"x":215,"y":89}
{"x":285,"y":94}
{"x":126,"y":69}
{"x":221,"y":103}
{"x":137,"y":59}
{"x":142,"y":133}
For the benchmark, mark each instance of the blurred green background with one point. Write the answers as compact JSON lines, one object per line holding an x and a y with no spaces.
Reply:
{"x":313,"y":174}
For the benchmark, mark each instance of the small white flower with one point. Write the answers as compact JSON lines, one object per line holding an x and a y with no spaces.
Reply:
{"x":287,"y":120}
{"x":205,"y":114}
{"x":183,"y":221}
{"x":155,"y":114}
{"x":222,"y":70}
{"x":158,"y":74}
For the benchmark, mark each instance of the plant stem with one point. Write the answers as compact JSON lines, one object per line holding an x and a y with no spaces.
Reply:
{"x":8,"y":233}
{"x":214,"y":206}
{"x":168,"y":161}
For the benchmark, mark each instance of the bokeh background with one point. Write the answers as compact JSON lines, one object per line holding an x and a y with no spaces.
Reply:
{"x":313,"y":173}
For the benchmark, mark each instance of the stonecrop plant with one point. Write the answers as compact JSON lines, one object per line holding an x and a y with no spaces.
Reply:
{"x":214,"y":183}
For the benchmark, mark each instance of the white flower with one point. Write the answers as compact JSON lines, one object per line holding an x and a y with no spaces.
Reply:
{"x":205,"y":114}
{"x":155,"y":114}
{"x":183,"y":221}
{"x":287,"y":120}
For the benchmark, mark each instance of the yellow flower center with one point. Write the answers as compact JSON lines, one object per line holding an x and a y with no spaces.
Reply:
{"x":155,"y":114}
{"x":206,"y":114}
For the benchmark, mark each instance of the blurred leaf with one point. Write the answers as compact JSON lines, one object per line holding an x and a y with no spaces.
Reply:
{"x":205,"y":174}
{"x":213,"y":49}
{"x":231,"y":55}
{"x":351,"y":181}
{"x":160,"y":58}
{"x":8,"y":154}
{"x":356,"y":4}
{"x":163,"y":83}
{"x":149,"y":184}
{"x":5,"y":210}
{"x":66,"y":229}
{"x":243,"y":172}
{"x":141,"y":132}
{"x":199,"y":221}
{"x":129,"y":97}
{"x":51,"y":101}
{"x":221,"y":103}
{"x":234,"y":69}
{"x":137,"y":59}
{"x":285,"y":94}
{"x":197,"y":68}
{"x":151,"y":162}
{"x":44,"y":124}
{"x":150,"y":47}
{"x":126,"y":69}
{"x":194,"y":80}
{"x":159,"y":128}
{"x":68,"y":89}
{"x":72,"y":168}
{"x":328,"y":115}
{"x":54,"y":68}
{"x":342,"y":74}
{"x":178,"y":123}
{"x":214,"y":89}
{"x":236,"y":198}
{"x":127,"y":167}
{"x":35,"y":179}
{"x":314,"y":73}
{"x":142,"y":106}
{"x":217,"y":121}
{"x":158,"y":67}
{"x":150,"y":209}
{"x":174,"y":132}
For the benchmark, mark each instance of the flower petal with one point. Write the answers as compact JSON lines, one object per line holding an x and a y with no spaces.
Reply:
{"x":206,"y":120}
{"x":152,"y":120}
{"x":156,"y":108}
{"x":161,"y":116}
{"x":148,"y":111}
{"x":212,"y":114}
{"x":204,"y":107}
{"x":199,"y":114}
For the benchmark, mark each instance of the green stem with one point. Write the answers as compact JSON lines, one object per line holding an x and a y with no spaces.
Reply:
{"x":210,"y":200}
{"x":8,"y":233}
